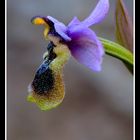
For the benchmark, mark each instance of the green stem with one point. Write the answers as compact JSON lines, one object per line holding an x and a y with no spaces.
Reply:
{"x":116,"y":50}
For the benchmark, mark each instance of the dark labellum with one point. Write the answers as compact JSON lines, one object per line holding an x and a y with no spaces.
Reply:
{"x":44,"y":80}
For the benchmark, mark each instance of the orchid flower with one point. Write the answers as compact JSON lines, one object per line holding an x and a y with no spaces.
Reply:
{"x":83,"y":43}
{"x":76,"y":39}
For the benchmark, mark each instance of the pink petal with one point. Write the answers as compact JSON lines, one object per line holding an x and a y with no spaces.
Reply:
{"x":86,"y":48}
{"x":75,"y":21}
{"x":97,"y":15}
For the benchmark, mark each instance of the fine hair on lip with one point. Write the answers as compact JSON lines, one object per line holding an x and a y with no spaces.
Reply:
{"x":44,"y":82}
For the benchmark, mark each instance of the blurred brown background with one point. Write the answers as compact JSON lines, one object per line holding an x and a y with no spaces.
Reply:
{"x":97,"y":106}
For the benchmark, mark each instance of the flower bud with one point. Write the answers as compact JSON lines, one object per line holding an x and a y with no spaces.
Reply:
{"x":124,"y":31}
